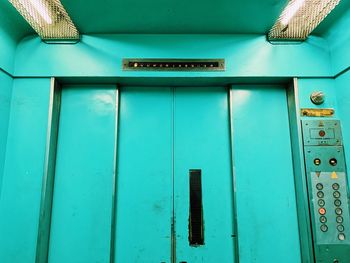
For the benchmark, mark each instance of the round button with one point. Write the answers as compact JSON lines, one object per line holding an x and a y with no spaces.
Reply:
{"x":333,"y":162}
{"x":337,"y":202}
{"x":338,"y":211}
{"x":322,"y":211}
{"x":320,"y":194}
{"x":322,"y":133}
{"x":323,"y":219}
{"x":319,"y":186}
{"x":324,"y":228}
{"x":340,"y":228}
{"x":339,"y":219}
{"x":317,"y":161}
{"x":335,"y":186}
{"x":336,"y":194}
{"x":341,"y":236}
{"x":321,"y":202}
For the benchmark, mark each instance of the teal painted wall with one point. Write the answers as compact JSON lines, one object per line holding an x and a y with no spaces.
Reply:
{"x":308,"y":85}
{"x":101,"y":55}
{"x":8,"y":47}
{"x":11,"y":32}
{"x":5,"y":99}
{"x":23,"y":170}
{"x":338,"y":38}
{"x":337,"y":93}
{"x":342,"y":84}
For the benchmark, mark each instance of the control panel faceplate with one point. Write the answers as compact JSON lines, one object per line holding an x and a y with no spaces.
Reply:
{"x":328,"y":190}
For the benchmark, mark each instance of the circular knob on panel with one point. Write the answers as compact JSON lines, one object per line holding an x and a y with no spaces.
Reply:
{"x":317,"y":97}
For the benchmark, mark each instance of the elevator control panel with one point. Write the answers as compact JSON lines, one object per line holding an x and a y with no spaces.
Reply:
{"x":327,"y":190}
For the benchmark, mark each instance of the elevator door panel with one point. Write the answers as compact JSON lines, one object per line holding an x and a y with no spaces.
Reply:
{"x":202,"y":142}
{"x":265,"y":192}
{"x":144,"y":185}
{"x":82,"y":202}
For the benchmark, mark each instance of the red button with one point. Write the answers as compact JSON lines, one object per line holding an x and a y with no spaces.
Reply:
{"x":322,"y":211}
{"x":322,"y":133}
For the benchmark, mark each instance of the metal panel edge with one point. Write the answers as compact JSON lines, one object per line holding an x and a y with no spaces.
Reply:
{"x":301,"y":192}
{"x":43,"y":239}
{"x":114,"y":180}
{"x":235,"y":223}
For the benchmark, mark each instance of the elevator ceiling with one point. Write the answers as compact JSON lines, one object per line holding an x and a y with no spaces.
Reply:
{"x":168,"y":16}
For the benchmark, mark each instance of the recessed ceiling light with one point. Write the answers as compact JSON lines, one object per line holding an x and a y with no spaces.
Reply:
{"x":48,"y":18}
{"x":300,"y":18}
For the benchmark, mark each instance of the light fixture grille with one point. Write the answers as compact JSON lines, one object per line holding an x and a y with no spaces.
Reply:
{"x":300,"y":18}
{"x":48,"y":18}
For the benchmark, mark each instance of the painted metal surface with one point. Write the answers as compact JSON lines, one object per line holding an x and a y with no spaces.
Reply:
{"x":197,"y":17}
{"x":338,"y":38}
{"x":309,"y":85}
{"x":82,"y":202}
{"x":337,"y":97}
{"x":5,"y":102}
{"x":328,"y":189}
{"x":181,"y":17}
{"x":343,"y":105}
{"x":114,"y":178}
{"x":23,"y":171}
{"x":266,"y":202}
{"x":101,"y":56}
{"x":202,"y":141}
{"x":12,"y":30}
{"x":42,"y":247}
{"x":144,"y":183}
{"x":302,"y":199}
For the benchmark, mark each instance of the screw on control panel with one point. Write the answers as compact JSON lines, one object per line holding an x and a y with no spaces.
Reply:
{"x":336,"y":261}
{"x":317,"y":97}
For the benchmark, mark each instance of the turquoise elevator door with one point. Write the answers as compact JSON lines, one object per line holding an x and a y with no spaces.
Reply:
{"x":144,"y":181}
{"x":202,"y":142}
{"x":265,"y":191}
{"x":164,"y":134}
{"x":82,"y":202}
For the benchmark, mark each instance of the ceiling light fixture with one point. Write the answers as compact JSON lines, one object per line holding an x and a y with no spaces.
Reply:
{"x":291,"y":11}
{"x":37,"y":8}
{"x":48,"y":18}
{"x":300,"y":18}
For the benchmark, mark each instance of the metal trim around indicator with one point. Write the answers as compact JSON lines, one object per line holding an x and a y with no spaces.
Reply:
{"x":173,"y":64}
